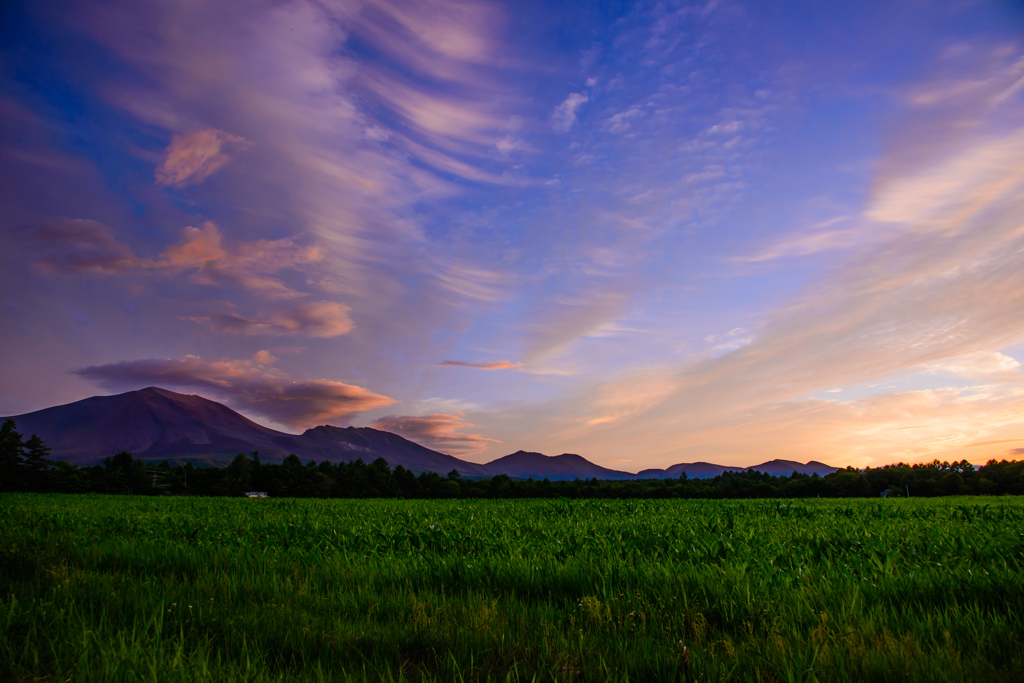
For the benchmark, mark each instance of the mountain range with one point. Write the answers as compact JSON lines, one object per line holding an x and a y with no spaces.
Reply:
{"x":157,"y":424}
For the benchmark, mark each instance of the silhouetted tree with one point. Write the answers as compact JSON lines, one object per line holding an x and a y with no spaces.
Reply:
{"x":11,"y":450}
{"x":124,"y":474}
{"x":36,"y":465}
{"x":238,"y":476}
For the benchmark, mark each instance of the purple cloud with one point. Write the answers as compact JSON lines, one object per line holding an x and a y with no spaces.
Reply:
{"x":254,"y":385}
{"x":492,"y":365}
{"x":440,"y":431}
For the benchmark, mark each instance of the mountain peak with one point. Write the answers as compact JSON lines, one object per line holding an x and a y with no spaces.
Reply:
{"x":524,"y":464}
{"x":166,"y":393}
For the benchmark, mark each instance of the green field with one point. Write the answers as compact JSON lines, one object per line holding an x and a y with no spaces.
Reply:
{"x":117,"y":588}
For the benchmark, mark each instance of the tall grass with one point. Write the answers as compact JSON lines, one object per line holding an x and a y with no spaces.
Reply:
{"x":97,"y":588}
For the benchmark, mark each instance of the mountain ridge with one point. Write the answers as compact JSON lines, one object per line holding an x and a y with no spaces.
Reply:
{"x":156,"y":424}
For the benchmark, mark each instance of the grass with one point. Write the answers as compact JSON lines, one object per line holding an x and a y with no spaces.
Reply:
{"x":116,"y":588}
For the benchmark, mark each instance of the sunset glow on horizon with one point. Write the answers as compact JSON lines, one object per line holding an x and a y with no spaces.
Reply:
{"x":646,"y":233}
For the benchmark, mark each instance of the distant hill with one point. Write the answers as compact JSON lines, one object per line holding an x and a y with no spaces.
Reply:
{"x":348,"y":443}
{"x":785,"y":468}
{"x":693,"y":470}
{"x":523,"y":465}
{"x":157,"y":424}
{"x":704,"y":470}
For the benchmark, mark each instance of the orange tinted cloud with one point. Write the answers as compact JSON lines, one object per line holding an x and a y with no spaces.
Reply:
{"x":439,"y":431}
{"x":85,"y":246}
{"x":193,"y":157}
{"x":246,"y":263}
{"x":197,"y":247}
{"x":253,"y":385}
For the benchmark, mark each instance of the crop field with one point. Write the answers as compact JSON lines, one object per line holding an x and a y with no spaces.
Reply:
{"x":118,"y":588}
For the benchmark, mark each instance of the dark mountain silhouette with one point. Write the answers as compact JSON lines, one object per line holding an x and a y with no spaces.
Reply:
{"x":348,"y":443}
{"x":157,"y":424}
{"x":150,"y":423}
{"x":785,"y":468}
{"x":704,"y":470}
{"x":693,"y":470}
{"x":523,"y":465}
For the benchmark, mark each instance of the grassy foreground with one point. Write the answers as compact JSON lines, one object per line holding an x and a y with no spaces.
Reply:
{"x":115,"y":588}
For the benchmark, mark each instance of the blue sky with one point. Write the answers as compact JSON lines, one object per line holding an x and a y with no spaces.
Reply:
{"x":647,"y":233}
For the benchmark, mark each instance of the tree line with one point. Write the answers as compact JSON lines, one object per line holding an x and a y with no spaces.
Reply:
{"x":25,"y":466}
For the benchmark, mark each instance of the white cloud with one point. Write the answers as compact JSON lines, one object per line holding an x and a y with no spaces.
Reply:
{"x":980,"y":365}
{"x":729,"y":341}
{"x":620,"y":123}
{"x":564,"y":116}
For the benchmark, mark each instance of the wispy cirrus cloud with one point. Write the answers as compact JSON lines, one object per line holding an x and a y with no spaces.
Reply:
{"x":321,"y":319}
{"x":817,"y":238}
{"x":443,"y":38}
{"x":441,"y":431}
{"x":254,"y":385}
{"x":983,"y":365}
{"x":567,"y":318}
{"x":471,"y":282}
{"x":735,"y":338}
{"x":946,"y":194}
{"x":194,"y":157}
{"x":987,"y":88}
{"x":492,"y":365}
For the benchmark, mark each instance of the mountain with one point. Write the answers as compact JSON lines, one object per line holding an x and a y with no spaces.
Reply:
{"x":522,"y":465}
{"x":155,"y":424}
{"x":693,"y":470}
{"x":705,"y":470}
{"x":348,"y":443}
{"x":785,"y":468}
{"x":150,"y":423}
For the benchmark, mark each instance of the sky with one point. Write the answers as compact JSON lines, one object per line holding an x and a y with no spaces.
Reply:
{"x":647,"y":233}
